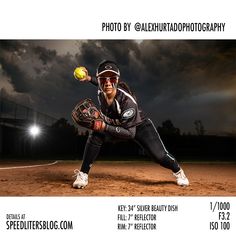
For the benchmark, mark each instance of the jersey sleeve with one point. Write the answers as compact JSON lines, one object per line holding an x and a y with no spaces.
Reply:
{"x":94,"y":81}
{"x":129,"y":119}
{"x":130,"y":115}
{"x":120,"y":132}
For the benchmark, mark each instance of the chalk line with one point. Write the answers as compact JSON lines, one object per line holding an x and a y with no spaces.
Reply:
{"x":31,"y":166}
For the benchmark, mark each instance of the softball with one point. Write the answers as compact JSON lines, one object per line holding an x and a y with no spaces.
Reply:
{"x":79,"y":72}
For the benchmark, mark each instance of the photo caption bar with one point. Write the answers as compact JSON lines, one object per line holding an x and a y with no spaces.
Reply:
{"x":146,"y":215}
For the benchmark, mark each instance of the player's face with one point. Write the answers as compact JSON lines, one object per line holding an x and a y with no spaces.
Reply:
{"x":108,"y":82}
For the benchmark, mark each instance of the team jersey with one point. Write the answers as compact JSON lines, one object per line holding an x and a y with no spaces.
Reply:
{"x":123,"y":114}
{"x":123,"y":111}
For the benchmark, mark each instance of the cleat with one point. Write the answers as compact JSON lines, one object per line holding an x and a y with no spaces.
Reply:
{"x":81,"y":180}
{"x":181,"y":179}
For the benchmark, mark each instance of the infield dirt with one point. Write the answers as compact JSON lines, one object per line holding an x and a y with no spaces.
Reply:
{"x":117,"y":179}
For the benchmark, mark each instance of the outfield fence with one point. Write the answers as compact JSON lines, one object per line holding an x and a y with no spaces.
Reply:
{"x":12,"y":112}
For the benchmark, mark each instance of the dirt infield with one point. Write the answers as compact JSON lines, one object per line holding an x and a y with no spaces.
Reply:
{"x":116,"y":179}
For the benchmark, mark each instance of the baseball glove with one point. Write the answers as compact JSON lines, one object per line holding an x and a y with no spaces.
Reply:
{"x":87,"y":115}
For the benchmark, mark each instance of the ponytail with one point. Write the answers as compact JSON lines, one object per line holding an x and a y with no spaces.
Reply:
{"x":125,"y":86}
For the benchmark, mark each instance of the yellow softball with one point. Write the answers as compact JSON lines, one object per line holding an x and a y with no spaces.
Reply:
{"x":79,"y":72}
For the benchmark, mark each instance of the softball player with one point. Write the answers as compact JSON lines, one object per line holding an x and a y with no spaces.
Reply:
{"x":123,"y":119}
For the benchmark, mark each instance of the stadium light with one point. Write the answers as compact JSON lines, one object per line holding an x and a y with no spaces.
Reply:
{"x":34,"y":131}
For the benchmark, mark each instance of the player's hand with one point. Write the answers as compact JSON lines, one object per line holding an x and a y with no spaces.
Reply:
{"x":87,"y":77}
{"x":99,"y":125}
{"x":81,"y":74}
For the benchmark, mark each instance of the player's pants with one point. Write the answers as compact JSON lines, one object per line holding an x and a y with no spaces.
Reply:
{"x":146,"y":135}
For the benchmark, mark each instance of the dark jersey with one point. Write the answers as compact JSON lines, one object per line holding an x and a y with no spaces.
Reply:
{"x":123,"y":112}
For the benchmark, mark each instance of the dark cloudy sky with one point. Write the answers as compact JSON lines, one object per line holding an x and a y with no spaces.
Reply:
{"x":173,"y":79}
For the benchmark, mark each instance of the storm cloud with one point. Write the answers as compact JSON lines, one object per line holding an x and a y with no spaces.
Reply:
{"x":173,"y":79}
